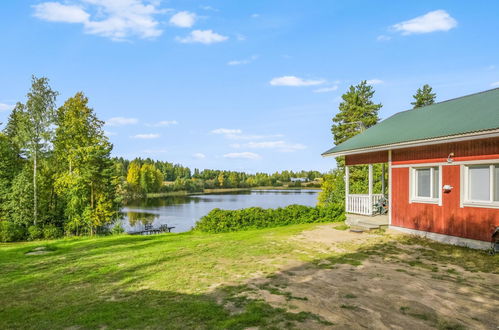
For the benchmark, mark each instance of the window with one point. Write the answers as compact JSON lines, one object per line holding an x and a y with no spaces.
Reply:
{"x":425,"y":184}
{"x":481,"y":185}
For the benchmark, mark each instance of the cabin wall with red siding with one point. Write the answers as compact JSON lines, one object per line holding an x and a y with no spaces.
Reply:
{"x":367,"y":158}
{"x":449,"y":218}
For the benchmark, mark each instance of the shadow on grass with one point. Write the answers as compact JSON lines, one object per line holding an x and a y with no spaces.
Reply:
{"x":58,"y":291}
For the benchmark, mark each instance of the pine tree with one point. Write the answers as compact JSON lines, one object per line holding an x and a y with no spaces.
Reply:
{"x":357,"y":112}
{"x":424,"y":96}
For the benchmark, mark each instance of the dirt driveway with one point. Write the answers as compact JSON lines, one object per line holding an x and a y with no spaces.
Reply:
{"x":385,"y":281}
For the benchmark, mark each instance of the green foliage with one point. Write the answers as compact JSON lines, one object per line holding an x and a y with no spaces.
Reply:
{"x":9,"y":167}
{"x":11,"y":232}
{"x":218,"y":221}
{"x":117,"y":229}
{"x":34,"y":233}
{"x":55,"y":166}
{"x":150,"y":178}
{"x":424,"y":96}
{"x":333,"y":189}
{"x":34,"y":131}
{"x":357,"y":112}
{"x":20,"y":199}
{"x":51,"y":232}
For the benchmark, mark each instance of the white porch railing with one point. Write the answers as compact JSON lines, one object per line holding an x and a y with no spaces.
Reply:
{"x":362,"y":204}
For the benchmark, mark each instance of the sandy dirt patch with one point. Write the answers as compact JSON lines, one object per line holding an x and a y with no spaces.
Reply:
{"x":381,"y":283}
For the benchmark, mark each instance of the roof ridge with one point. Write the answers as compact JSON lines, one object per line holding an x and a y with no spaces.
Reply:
{"x":448,"y":100}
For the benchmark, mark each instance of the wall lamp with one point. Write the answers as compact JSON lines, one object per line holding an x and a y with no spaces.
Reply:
{"x":449,"y":158}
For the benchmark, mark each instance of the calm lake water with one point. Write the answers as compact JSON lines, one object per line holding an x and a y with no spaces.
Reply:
{"x":182,"y":212}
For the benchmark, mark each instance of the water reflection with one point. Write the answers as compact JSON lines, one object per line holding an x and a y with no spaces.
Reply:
{"x":144,"y":218}
{"x":182,"y":212}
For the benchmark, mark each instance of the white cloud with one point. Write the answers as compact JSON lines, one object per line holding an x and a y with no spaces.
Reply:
{"x":183,"y":19}
{"x":383,"y":37}
{"x":374,"y":81}
{"x":203,"y":36}
{"x":107,"y":133}
{"x":199,"y":155}
{"x":295,"y":81}
{"x":255,"y":15}
{"x":438,"y":20}
{"x":163,"y":123}
{"x":495,"y":84}
{"x":57,"y":12}
{"x":326,"y":89}
{"x":226,"y":131}
{"x":148,"y":136}
{"x":242,"y":155}
{"x":241,"y":62}
{"x":114,"y":19}
{"x":121,"y":121}
{"x":6,"y":107}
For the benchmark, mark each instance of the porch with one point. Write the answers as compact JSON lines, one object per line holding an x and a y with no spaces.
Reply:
{"x":363,"y":210}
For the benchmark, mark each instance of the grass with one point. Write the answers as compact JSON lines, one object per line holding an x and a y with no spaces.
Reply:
{"x":193,"y":280}
{"x":143,"y":281}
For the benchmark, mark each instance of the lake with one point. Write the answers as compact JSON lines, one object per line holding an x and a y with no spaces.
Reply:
{"x":182,"y":212}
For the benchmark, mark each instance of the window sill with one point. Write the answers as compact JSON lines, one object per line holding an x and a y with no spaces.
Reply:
{"x":425,"y":201}
{"x":482,"y":205}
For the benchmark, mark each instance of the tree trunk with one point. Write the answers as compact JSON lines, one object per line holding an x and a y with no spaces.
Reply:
{"x":35,"y":200}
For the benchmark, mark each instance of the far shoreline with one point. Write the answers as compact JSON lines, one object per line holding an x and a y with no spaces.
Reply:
{"x":224,"y":191}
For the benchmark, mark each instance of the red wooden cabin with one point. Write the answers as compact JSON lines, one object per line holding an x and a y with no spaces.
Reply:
{"x":443,"y":169}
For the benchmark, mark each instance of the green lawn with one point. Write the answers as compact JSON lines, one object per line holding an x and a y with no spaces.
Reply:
{"x":162,"y":281}
{"x":192,"y":280}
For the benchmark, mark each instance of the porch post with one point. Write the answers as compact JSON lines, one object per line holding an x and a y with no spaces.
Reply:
{"x":370,"y":189}
{"x":347,"y":186}
{"x":390,"y":179}
{"x":383,"y":179}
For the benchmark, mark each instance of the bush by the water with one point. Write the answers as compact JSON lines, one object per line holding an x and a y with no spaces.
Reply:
{"x":219,"y":221}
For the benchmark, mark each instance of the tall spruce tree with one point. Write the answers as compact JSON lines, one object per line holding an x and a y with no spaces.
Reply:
{"x":424,"y":96}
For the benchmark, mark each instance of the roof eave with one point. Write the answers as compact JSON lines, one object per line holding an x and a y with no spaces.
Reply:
{"x":418,"y":143}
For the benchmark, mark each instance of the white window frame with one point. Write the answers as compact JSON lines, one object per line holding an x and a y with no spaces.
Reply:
{"x":465,"y":193}
{"x":413,"y":197}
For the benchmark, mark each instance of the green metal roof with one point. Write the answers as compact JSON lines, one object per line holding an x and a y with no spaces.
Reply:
{"x":467,"y":114}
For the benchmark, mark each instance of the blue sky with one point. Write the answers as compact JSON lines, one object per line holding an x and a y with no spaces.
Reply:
{"x":242,"y":85}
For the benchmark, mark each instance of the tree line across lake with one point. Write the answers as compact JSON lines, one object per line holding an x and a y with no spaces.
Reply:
{"x":57,"y":176}
{"x":144,"y":176}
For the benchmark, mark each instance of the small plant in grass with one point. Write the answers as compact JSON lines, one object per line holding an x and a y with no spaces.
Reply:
{"x":351,"y":307}
{"x":34,"y":233}
{"x":350,"y":296}
{"x":342,"y":226}
{"x":117,"y":229}
{"x":51,"y":232}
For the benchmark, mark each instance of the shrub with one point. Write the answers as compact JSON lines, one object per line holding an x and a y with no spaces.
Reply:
{"x":11,"y":232}
{"x":219,"y":221}
{"x":34,"y":233}
{"x":117,"y":229}
{"x":51,"y":232}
